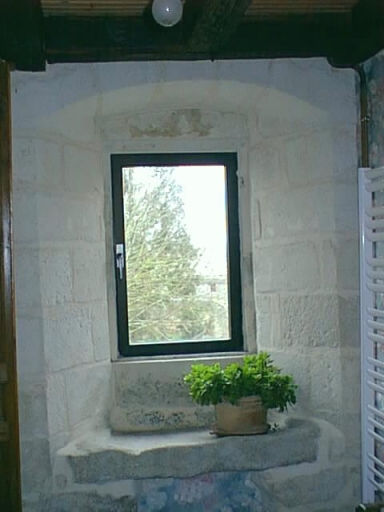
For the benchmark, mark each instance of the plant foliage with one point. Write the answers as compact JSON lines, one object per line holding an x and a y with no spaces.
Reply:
{"x":257,"y":375}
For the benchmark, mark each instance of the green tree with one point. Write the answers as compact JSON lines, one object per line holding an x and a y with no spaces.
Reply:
{"x":161,"y":261}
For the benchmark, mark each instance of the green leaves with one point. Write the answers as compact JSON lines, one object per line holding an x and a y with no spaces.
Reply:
{"x":257,"y":375}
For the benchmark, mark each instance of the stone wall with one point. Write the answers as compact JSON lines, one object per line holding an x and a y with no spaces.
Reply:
{"x":374,"y":69}
{"x":293,"y":124}
{"x":63,"y":346}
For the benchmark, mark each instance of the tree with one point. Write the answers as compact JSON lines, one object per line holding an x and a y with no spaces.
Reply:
{"x":163,"y":299}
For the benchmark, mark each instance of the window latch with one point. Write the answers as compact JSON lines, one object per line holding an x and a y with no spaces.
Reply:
{"x":120,"y":259}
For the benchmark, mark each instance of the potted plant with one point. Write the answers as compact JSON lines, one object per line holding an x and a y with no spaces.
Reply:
{"x":242,"y":392}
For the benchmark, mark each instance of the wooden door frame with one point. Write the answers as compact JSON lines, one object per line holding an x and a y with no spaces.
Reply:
{"x":10,"y":484}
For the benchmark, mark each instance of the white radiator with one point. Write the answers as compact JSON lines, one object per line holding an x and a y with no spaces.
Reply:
{"x":371,"y":210}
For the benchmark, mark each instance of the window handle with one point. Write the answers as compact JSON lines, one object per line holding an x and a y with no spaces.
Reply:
{"x":120,"y":259}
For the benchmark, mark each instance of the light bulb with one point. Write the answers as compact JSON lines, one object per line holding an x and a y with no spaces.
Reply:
{"x":167,"y":12}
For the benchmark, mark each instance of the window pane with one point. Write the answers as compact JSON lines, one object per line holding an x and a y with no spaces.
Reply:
{"x":175,"y":222}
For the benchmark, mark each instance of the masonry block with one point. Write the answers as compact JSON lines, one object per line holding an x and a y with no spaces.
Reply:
{"x":268,"y":320}
{"x":309,"y":321}
{"x":57,"y":404}
{"x":35,"y":465}
{"x":100,"y":331}
{"x":89,"y":273}
{"x":30,"y":345}
{"x":33,"y":409}
{"x":326,"y":379}
{"x":69,"y":219}
{"x":106,"y":458}
{"x":267,"y":169}
{"x":28,"y":278}
{"x":38,"y":163}
{"x":68,"y":338}
{"x":309,"y":210}
{"x":307,"y":154}
{"x":82,"y":171}
{"x":25,"y":217}
{"x":56,"y":277}
{"x":347,"y":264}
{"x":81,"y":501}
{"x":88,"y":393}
{"x":306,"y":488}
{"x":287,"y":267}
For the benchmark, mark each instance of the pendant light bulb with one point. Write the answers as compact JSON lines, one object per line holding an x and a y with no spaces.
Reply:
{"x":167,"y":12}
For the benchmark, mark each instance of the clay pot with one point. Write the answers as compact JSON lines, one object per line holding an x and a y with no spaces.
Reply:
{"x":247,"y":417}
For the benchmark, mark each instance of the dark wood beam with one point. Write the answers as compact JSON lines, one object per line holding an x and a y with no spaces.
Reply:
{"x":118,"y":39}
{"x":218,"y":21}
{"x":368,"y":34}
{"x":10,"y":493}
{"x":21,"y":34}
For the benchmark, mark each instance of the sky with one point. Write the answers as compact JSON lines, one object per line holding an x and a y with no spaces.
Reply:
{"x":203,"y":193}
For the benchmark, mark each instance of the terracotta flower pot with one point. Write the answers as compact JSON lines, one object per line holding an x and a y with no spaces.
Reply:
{"x":247,"y":417}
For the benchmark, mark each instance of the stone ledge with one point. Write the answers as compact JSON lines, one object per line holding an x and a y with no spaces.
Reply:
{"x":102,"y":457}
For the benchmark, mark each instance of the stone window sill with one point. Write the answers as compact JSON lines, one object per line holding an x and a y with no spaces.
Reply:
{"x":101,"y":457}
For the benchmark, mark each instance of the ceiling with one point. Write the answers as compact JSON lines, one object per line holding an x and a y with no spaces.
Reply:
{"x":256,"y":9}
{"x":34,"y":32}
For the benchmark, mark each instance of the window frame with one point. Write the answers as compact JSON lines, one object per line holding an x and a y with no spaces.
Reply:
{"x":229,"y":161}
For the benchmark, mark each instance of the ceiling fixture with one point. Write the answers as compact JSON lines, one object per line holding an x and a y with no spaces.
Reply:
{"x":167,"y":12}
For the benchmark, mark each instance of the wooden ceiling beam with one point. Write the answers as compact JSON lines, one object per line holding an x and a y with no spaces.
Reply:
{"x":133,"y":39}
{"x":368,"y":34}
{"x":217,"y":22}
{"x":21,"y":34}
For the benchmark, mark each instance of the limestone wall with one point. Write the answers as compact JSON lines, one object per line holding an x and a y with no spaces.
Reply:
{"x":293,"y":124}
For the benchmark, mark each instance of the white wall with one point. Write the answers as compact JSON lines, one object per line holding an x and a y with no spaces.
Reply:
{"x":294,"y":126}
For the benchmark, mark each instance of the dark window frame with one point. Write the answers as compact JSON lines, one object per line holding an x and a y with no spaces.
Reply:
{"x":229,"y":160}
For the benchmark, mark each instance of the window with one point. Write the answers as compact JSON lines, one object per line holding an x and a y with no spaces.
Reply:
{"x":177,"y":253}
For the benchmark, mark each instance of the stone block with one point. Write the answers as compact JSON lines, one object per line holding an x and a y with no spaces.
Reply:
{"x":56,"y":277}
{"x":256,"y":221}
{"x":100,"y":331}
{"x":309,"y":487}
{"x":268,"y":319}
{"x":33,"y":409}
{"x":326,"y":380}
{"x":62,"y":219}
{"x":68,"y":338}
{"x":35,"y":465}
{"x":175,"y":123}
{"x":328,"y":265}
{"x":349,"y":423}
{"x":322,"y":156}
{"x":105,"y":458}
{"x":25,"y":217}
{"x":349,"y":320}
{"x":82,"y":172}
{"x":309,"y":321}
{"x":140,"y":419}
{"x":266,"y":168}
{"x":88,"y":393}
{"x":287,"y":267}
{"x":89,"y":273}
{"x":23,"y":162}
{"x":299,"y":366}
{"x":309,"y":210}
{"x":81,"y":501}
{"x":30,"y":345}
{"x":27,"y":278}
{"x":351,"y":381}
{"x":347,"y":264}
{"x":37,"y":163}
{"x":57,"y":404}
{"x":224,"y":492}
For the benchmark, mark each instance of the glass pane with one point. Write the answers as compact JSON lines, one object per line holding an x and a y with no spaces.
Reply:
{"x":175,"y":221}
